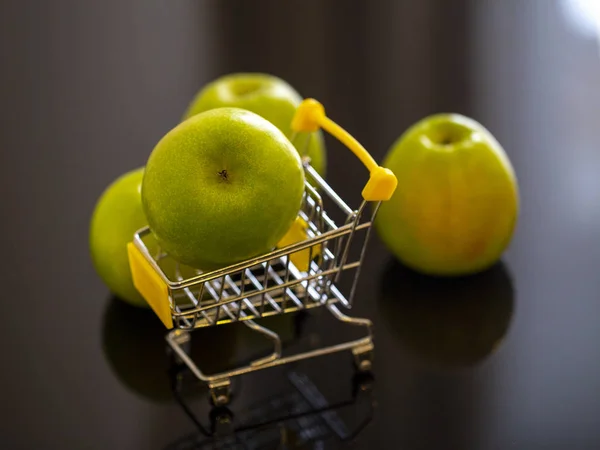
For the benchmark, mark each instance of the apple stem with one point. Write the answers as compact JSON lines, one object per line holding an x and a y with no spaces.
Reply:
{"x":223,"y":174}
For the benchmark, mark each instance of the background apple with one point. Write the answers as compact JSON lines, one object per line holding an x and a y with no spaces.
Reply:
{"x":456,"y":205}
{"x":118,"y":214}
{"x":222,"y":187}
{"x":266,"y":95}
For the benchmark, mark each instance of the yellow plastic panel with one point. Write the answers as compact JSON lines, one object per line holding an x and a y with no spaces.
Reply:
{"x":297,"y":233}
{"x":150,"y":285}
{"x":381,"y":185}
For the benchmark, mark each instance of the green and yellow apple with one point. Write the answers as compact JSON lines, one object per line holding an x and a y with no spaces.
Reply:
{"x":118,"y":214}
{"x":221,"y":187}
{"x":456,"y":205}
{"x":263,"y":94}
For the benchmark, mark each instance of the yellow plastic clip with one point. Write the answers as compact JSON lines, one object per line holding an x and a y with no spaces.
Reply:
{"x":150,"y":285}
{"x":297,"y":233}
{"x":310,"y":116}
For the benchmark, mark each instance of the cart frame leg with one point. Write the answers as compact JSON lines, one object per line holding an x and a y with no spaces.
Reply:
{"x":220,"y":384}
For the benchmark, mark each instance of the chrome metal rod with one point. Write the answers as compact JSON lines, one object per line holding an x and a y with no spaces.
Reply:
{"x":270,"y":361}
{"x":272,"y":336}
{"x":272,"y":288}
{"x":276,"y":362}
{"x":328,"y":190}
{"x":208,"y":276}
{"x":363,"y":251}
{"x":349,"y":238}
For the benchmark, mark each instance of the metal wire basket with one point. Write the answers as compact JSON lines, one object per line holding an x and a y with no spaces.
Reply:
{"x":301,"y":273}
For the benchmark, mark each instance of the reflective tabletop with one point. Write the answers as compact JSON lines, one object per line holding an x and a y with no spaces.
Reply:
{"x":507,"y":359}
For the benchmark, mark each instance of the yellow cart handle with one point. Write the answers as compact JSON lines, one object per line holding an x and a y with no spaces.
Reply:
{"x":310,"y":116}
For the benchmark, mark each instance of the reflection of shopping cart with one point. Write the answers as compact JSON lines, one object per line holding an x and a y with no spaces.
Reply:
{"x":302,"y":273}
{"x":299,"y":416}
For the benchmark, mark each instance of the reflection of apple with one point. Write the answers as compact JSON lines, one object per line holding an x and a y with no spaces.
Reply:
{"x":447,"y":321}
{"x":134,"y":345}
{"x":133,"y":342}
{"x":222,"y":187}
{"x":455,"y":208}
{"x":266,"y":95}
{"x":117,"y":216}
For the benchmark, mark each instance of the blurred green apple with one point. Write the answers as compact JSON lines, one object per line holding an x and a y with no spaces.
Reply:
{"x":456,"y":205}
{"x":266,"y":95}
{"x":118,"y":214}
{"x":222,"y":187}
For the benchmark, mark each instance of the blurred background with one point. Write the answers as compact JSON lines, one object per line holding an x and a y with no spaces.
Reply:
{"x":88,"y":87}
{"x":108,"y":79}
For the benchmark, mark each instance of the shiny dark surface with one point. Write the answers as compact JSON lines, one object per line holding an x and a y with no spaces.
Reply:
{"x":509,"y":359}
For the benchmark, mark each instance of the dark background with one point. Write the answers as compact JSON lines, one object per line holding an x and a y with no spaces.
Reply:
{"x":87,"y":88}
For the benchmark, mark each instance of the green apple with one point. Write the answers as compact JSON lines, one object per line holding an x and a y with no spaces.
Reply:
{"x":266,"y":95}
{"x":221,"y":187}
{"x":456,"y":205}
{"x":447,"y":321}
{"x":118,"y":214}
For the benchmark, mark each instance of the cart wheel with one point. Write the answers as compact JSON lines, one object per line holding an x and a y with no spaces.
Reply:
{"x":220,"y":392}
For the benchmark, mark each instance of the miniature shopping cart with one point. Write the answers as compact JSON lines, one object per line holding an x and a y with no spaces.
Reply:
{"x":303,"y":272}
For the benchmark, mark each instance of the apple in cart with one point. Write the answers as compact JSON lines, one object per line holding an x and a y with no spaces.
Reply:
{"x":118,"y":214}
{"x":456,"y":205}
{"x":221,"y":187}
{"x":266,"y":95}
